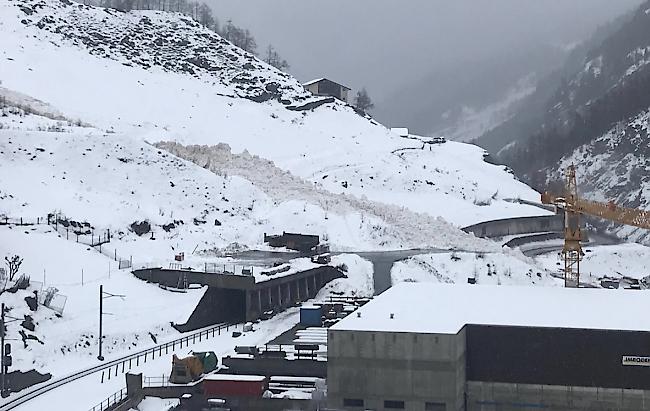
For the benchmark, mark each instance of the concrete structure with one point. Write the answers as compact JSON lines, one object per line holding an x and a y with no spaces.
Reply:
{"x":293,"y":241}
{"x":325,"y":87}
{"x":520,"y":225}
{"x":240,"y":298}
{"x":424,"y":347}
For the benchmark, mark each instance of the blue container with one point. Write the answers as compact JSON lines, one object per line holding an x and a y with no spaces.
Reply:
{"x":310,"y":316}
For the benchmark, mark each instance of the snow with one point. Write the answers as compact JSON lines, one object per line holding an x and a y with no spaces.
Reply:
{"x":70,"y":341}
{"x":359,"y":281}
{"x":208,"y":107}
{"x":156,"y":404}
{"x":614,"y":261}
{"x":508,"y":268}
{"x":233,"y":377}
{"x":445,"y":309}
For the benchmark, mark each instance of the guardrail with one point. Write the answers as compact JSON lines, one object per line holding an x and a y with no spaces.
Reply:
{"x":113,"y":400}
{"x":203,"y":333}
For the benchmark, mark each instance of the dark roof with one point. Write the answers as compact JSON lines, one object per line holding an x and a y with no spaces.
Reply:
{"x":318,"y":80}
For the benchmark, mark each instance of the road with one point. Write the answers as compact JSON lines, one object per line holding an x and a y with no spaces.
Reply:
{"x":595,"y":239}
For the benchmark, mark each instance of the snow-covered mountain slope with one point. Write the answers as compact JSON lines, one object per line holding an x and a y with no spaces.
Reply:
{"x":615,"y":167}
{"x":112,"y":70}
{"x":112,"y":181}
{"x":474,"y":122}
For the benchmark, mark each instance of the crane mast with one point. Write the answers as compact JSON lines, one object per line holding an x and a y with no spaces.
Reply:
{"x":574,"y":207}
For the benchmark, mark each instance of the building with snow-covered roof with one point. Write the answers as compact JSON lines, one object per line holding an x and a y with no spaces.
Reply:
{"x":463,"y":347}
{"x":325,"y":87}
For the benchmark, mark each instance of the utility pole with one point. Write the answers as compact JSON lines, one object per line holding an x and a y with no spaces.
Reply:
{"x":5,"y":355}
{"x":2,"y":354}
{"x":102,"y":296}
{"x":100,"y":357}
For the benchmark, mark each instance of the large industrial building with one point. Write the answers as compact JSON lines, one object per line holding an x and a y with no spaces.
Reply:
{"x":463,"y":347}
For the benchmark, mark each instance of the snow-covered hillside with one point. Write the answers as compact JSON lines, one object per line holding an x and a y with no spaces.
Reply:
{"x":615,"y":167}
{"x":509,"y":268}
{"x":112,"y":181}
{"x":131,"y":74}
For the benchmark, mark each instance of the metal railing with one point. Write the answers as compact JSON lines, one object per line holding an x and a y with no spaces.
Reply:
{"x":113,"y":400}
{"x":156,"y":381}
{"x":126,"y":363}
{"x":113,"y":366}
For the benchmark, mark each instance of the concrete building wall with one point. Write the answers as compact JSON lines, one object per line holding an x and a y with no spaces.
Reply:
{"x":381,"y":366}
{"x":490,"y":396}
{"x":312,"y":88}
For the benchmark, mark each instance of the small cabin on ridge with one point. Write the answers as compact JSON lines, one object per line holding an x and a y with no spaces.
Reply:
{"x":325,"y":87}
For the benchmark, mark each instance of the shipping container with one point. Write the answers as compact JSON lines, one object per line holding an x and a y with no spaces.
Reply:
{"x":227,"y":385}
{"x":310,"y":316}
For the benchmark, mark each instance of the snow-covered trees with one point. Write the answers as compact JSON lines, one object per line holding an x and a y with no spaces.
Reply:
{"x":240,"y":37}
{"x":273,"y":58}
{"x":362,"y":101}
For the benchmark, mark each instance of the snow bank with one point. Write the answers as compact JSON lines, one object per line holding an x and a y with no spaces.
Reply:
{"x":508,"y":268}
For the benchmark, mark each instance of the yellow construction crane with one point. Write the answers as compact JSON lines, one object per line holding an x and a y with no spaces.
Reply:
{"x":573,"y":207}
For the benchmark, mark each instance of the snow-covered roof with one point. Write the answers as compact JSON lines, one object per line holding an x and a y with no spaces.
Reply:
{"x":445,"y":308}
{"x":318,"y":80}
{"x":233,"y":377}
{"x":400,"y":131}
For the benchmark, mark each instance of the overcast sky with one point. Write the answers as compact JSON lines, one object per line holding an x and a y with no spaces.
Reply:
{"x":377,"y":42}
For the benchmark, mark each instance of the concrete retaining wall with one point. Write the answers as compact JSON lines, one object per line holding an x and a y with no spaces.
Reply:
{"x":172,"y":278}
{"x":513,"y":226}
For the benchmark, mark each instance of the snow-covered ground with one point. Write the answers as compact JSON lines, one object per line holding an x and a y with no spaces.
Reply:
{"x":615,"y":261}
{"x":88,"y":391}
{"x":70,"y":341}
{"x":508,"y":268}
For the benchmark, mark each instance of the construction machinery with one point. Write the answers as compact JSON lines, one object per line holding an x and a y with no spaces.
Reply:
{"x":188,"y":369}
{"x":574,"y":207}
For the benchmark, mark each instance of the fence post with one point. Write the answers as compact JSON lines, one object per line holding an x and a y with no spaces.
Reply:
{"x":102,"y":376}
{"x":129,"y":363}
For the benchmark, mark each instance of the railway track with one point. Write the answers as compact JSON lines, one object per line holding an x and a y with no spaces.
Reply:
{"x":51,"y":385}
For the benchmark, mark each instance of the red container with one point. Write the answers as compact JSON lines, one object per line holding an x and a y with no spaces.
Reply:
{"x":226,"y":385}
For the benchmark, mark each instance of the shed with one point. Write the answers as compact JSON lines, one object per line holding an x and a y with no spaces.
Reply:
{"x":325,"y":87}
